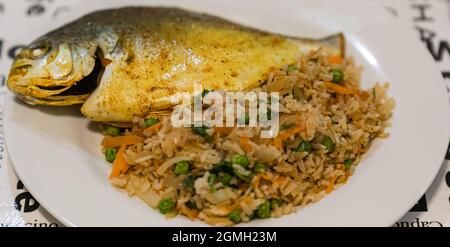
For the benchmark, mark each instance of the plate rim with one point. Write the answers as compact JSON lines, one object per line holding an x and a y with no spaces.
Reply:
{"x":62,"y":219}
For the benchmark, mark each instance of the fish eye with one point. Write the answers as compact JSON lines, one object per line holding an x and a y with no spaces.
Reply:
{"x":38,"y":51}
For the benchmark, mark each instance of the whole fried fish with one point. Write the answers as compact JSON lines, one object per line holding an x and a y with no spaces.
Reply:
{"x":128,"y":62}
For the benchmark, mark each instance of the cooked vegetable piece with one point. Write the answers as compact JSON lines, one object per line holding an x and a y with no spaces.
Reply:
{"x":263,"y":210}
{"x":110,"y":154}
{"x":181,"y":168}
{"x":166,"y":206}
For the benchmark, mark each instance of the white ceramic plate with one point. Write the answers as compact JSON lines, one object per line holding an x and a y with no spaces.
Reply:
{"x":56,"y":152}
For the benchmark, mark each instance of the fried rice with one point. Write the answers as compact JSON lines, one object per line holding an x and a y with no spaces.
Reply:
{"x":224,"y":176}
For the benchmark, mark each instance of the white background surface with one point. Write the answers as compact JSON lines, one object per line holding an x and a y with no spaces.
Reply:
{"x":18,"y":208}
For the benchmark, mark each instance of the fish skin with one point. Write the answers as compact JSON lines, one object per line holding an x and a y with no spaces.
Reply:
{"x":151,"y":53}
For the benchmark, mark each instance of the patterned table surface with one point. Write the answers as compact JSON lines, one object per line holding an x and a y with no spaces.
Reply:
{"x":430,"y":18}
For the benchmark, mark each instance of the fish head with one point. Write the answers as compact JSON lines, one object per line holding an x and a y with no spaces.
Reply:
{"x":52,"y":71}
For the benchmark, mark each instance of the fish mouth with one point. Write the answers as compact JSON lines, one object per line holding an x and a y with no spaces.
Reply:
{"x":44,"y":91}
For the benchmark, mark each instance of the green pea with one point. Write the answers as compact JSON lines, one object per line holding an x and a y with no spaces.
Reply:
{"x":235,"y":216}
{"x":241,"y":160}
{"x":338,"y":75}
{"x":166,"y":206}
{"x":304,"y":147}
{"x":263,"y":210}
{"x":150,"y":122}
{"x":181,"y":168}
{"x":112,"y":131}
{"x":274,"y":202}
{"x":329,"y":144}
{"x":348,"y":164}
{"x":259,"y":168}
{"x":110,"y":154}
{"x":225,"y":179}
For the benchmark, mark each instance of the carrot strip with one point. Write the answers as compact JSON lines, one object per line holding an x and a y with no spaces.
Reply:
{"x":245,"y":144}
{"x":266,"y":176}
{"x":119,"y":166}
{"x":335,"y":59}
{"x":154,"y":128}
{"x":247,"y":199}
{"x":339,"y":89}
{"x":278,"y":141}
{"x":330,"y":186}
{"x":256,"y":182}
{"x":110,"y":142}
{"x":364,"y":95}
{"x":223,"y":130}
{"x":280,"y":180}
